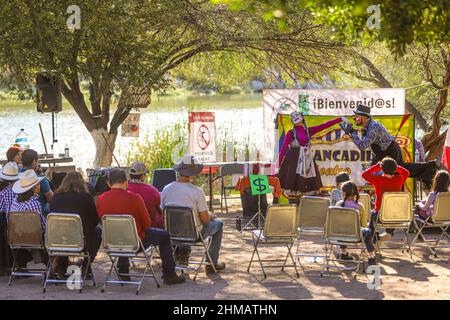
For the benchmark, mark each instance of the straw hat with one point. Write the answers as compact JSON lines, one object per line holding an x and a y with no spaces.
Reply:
{"x":10,"y":172}
{"x":188,"y":166}
{"x":26,"y":182}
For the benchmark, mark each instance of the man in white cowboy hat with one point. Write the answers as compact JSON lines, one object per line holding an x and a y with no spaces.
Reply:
{"x":182,"y":193}
{"x":8,"y":175}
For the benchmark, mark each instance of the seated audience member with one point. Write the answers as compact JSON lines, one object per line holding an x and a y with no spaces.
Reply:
{"x":73,"y":197}
{"x":385,"y":176}
{"x":27,"y":190}
{"x":336,"y":194}
{"x":425,"y":208}
{"x":30,"y":161}
{"x":14,"y":154}
{"x":351,"y":200}
{"x":8,"y":175}
{"x":182,"y":193}
{"x":118,"y":200}
{"x":149,"y":193}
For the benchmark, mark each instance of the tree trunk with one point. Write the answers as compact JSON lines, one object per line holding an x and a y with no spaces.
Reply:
{"x":104,"y":148}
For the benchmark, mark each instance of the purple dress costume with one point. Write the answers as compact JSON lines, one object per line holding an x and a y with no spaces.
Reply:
{"x":294,"y":179}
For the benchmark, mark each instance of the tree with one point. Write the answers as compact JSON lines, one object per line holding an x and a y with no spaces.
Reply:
{"x":401,"y":23}
{"x":126,"y":48}
{"x":423,"y":68}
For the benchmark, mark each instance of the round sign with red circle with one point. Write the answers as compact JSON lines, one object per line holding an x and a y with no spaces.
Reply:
{"x":203,"y":137}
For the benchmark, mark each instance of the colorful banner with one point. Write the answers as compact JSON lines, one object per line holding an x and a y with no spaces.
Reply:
{"x":202,"y":136}
{"x":325,"y":102}
{"x":334,"y":151}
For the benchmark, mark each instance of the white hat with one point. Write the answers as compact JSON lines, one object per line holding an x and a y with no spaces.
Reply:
{"x":26,"y":182}
{"x":188,"y":166}
{"x":10,"y":172}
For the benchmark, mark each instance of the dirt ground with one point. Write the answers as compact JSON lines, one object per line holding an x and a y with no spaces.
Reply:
{"x":426,"y":278}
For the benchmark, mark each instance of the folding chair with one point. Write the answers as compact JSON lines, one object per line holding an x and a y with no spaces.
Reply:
{"x":24,"y":233}
{"x":440,"y":218}
{"x":120,"y":240}
{"x":280,"y":227}
{"x":312,"y":218}
{"x":343,"y":228}
{"x":184,"y":229}
{"x":395,"y":213}
{"x":64,"y":238}
{"x":162,"y":177}
{"x":364,"y":198}
{"x":228,"y":169}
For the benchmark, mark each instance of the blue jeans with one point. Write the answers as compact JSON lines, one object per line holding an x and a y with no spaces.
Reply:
{"x":213,"y":228}
{"x":156,"y":237}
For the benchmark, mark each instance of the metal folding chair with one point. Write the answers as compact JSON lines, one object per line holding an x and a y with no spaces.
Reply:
{"x":440,"y":218}
{"x":228,"y":169}
{"x":64,"y":238}
{"x":184,"y":230}
{"x":343,"y":228}
{"x":162,"y":177}
{"x":24,"y":233}
{"x":364,"y":198}
{"x":395,"y":213}
{"x":120,"y":240}
{"x":280,"y":227}
{"x":312,"y":217}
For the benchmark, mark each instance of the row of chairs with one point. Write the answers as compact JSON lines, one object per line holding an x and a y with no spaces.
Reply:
{"x":64,"y":238}
{"x":339,"y":226}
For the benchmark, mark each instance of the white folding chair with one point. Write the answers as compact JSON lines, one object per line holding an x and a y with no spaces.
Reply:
{"x":311,"y":221}
{"x":439,"y":219}
{"x":64,"y":237}
{"x":343,"y":228}
{"x":364,"y":198}
{"x":395,"y":213}
{"x":120,"y":240}
{"x":184,"y":230}
{"x":280,"y":227}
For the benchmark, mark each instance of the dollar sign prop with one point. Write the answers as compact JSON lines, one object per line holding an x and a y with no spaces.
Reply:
{"x":258,"y":183}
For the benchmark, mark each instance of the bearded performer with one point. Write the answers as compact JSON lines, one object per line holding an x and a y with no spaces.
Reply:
{"x":299,"y":173}
{"x":383,"y":144}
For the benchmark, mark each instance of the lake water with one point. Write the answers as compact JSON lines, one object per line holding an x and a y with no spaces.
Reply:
{"x":239,"y":117}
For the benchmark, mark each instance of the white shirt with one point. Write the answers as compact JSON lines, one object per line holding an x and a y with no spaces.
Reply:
{"x":182,"y":194}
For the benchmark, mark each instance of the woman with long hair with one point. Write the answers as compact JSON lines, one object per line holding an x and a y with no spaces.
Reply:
{"x":73,"y":197}
{"x":441,"y":180}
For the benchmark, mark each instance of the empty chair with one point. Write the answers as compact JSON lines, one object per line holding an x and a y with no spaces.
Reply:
{"x":184,"y":230}
{"x":396,"y":213}
{"x":228,"y":169}
{"x":440,"y":218}
{"x":280,"y":228}
{"x":24,"y":233}
{"x":64,"y":238}
{"x":342,"y":228}
{"x":162,"y":177}
{"x":311,"y":221}
{"x":120,"y":239}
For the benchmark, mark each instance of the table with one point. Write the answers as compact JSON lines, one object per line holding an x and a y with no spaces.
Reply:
{"x":48,"y":159}
{"x":210,"y":165}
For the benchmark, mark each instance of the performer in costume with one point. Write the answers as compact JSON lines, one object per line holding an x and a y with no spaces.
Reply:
{"x":299,"y":173}
{"x":383,"y":144}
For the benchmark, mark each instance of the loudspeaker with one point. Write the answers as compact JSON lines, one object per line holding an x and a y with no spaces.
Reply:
{"x":48,"y":88}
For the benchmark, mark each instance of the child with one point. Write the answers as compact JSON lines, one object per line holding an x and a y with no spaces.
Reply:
{"x":350,"y":195}
{"x":441,"y":181}
{"x":336,"y":193}
{"x":385,"y":176}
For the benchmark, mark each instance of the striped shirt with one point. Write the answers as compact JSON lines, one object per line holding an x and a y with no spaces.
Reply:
{"x":374,"y":133}
{"x":6,"y":198}
{"x":32,"y":204}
